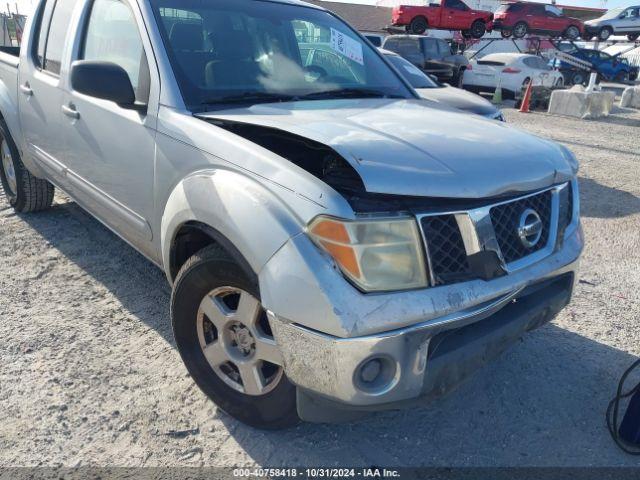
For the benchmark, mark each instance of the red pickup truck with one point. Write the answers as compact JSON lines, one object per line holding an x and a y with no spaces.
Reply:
{"x":446,"y":15}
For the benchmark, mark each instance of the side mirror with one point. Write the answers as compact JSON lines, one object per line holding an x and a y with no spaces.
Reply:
{"x":104,"y":80}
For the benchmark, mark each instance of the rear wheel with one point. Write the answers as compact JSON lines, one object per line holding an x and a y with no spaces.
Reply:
{"x":418,"y":25}
{"x":520,"y":29}
{"x":633,"y":37}
{"x":478,"y":29}
{"x":579,"y":78}
{"x":572,"y":32}
{"x":604,"y":33}
{"x":225,"y":340}
{"x":25,"y":192}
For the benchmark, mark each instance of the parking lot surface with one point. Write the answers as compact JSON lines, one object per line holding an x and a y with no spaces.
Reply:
{"x":90,"y":375}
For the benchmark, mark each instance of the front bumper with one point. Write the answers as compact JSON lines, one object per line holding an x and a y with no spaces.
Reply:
{"x":458,"y":328}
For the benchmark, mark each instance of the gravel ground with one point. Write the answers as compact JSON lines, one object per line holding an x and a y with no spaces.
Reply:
{"x":90,"y":376}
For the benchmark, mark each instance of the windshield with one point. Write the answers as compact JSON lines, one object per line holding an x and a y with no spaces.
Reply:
{"x":251,"y":51}
{"x":413,"y":74}
{"x":612,"y":13}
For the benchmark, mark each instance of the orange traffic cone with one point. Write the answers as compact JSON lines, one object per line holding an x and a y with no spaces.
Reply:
{"x":526,"y":100}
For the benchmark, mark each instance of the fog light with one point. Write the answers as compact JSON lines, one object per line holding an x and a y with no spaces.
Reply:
{"x":376,"y":375}
{"x":370,"y":371}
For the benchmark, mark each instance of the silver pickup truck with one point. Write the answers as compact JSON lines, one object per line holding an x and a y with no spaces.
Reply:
{"x":335,"y":244}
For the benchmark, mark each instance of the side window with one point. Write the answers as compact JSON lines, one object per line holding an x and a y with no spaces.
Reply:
{"x":112,"y":36}
{"x":456,"y":5}
{"x":43,"y":31}
{"x":430,"y":48}
{"x":530,"y":62}
{"x":444,"y":47}
{"x":57,"y":35}
{"x":52,"y":34}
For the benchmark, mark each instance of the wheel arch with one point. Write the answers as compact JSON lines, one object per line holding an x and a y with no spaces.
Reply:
{"x":229,"y":209}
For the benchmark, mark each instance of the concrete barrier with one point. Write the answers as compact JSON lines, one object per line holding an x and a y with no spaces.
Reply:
{"x":579,"y":103}
{"x":630,"y":98}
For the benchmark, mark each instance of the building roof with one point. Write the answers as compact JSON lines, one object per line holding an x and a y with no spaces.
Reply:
{"x":366,"y":18}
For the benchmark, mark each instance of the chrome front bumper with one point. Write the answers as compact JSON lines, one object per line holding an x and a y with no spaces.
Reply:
{"x":411,"y":362}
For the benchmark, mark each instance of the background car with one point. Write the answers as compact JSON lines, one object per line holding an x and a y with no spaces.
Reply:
{"x":376,"y":39}
{"x":431,"y":89}
{"x":520,"y":18}
{"x":608,"y":67}
{"x":431,"y":55}
{"x":512,"y":71}
{"x":619,"y":21}
{"x":443,"y":15}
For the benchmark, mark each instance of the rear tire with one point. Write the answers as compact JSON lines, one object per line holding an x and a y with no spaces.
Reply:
{"x":579,"y":78}
{"x":572,"y":32}
{"x":632,"y":37}
{"x":478,"y":29}
{"x":520,"y":29}
{"x":268,"y":403}
{"x":25,"y":192}
{"x":418,"y":25}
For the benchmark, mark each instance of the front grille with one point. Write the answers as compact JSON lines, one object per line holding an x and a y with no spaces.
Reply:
{"x":506,"y":220}
{"x":446,"y":249}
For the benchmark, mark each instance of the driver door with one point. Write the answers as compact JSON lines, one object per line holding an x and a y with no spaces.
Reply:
{"x":112,"y":149}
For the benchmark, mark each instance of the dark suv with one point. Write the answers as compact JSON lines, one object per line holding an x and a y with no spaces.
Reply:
{"x":433,"y":56}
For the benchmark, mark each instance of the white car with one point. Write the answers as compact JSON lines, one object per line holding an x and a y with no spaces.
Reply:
{"x":511,"y":71}
{"x":619,"y":21}
{"x":430,"y":89}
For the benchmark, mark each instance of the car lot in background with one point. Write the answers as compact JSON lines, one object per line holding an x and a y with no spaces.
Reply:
{"x":430,"y":89}
{"x":608,"y":67}
{"x":520,"y":18}
{"x":619,"y":21}
{"x":444,"y":15}
{"x":512,"y":71}
{"x":433,"y":56}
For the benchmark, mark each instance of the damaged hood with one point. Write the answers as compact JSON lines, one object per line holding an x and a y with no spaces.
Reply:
{"x":411,"y":147}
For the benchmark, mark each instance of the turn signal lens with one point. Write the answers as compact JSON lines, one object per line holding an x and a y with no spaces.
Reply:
{"x":376,"y":255}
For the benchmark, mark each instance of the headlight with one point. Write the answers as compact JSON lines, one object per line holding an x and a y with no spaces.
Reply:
{"x":376,"y":255}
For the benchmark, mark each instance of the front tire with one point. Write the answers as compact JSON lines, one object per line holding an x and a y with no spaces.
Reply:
{"x":632,"y":37}
{"x":25,"y":192}
{"x":520,"y":29}
{"x":418,"y":25}
{"x":506,"y":33}
{"x":579,"y":78}
{"x":604,"y":33}
{"x":225,"y":341}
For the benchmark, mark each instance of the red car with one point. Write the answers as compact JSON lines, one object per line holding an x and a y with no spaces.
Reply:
{"x":446,"y":15}
{"x":520,"y":18}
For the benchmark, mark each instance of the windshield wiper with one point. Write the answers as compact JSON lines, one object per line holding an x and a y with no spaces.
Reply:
{"x":250,"y":98}
{"x":348,"y":93}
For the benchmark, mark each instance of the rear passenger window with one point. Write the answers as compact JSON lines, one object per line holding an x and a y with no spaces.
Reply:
{"x":57,"y":35}
{"x":112,"y":36}
{"x":52,"y":34}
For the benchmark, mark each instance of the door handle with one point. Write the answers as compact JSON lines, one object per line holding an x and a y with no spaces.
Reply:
{"x":26,"y":89}
{"x":70,"y":111}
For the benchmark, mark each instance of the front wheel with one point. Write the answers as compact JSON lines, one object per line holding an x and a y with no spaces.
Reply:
{"x":622,"y":77}
{"x":632,"y":37}
{"x":604,"y":33}
{"x":579,"y":78}
{"x":478,"y":29}
{"x":225,"y":340}
{"x":520,"y":29}
{"x":418,"y":25}
{"x":25,"y":192}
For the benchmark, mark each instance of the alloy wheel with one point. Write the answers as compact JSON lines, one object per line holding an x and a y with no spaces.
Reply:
{"x":237,"y":341}
{"x":8,"y":168}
